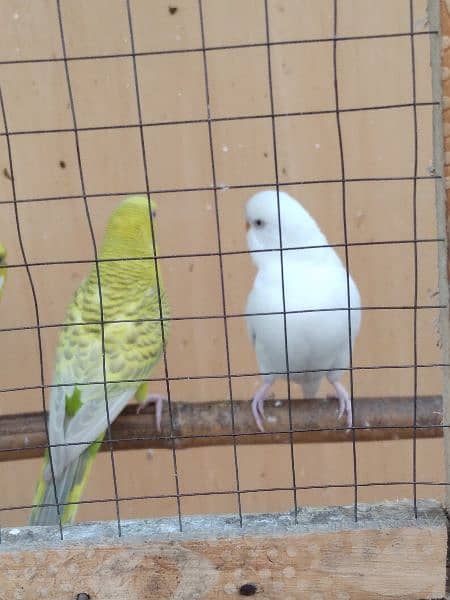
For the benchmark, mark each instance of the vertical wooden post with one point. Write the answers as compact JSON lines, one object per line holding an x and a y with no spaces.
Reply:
{"x":439,"y":19}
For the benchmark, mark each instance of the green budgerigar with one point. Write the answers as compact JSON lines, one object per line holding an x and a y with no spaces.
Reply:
{"x":3,"y":269}
{"x":133,"y":343}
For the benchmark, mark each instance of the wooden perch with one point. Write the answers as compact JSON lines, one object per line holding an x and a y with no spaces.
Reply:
{"x":209,"y":424}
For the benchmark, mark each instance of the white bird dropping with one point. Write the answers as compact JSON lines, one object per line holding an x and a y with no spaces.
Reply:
{"x":315,"y":280}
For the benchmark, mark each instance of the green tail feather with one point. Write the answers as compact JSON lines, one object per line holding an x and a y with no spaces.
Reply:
{"x":69,"y":487}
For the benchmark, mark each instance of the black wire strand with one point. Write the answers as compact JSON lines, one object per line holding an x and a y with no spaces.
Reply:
{"x":242,"y":434}
{"x":347,"y":262}
{"x":283,"y":289}
{"x":36,"y":311}
{"x":97,"y":267}
{"x":218,"y":316}
{"x":158,"y":282}
{"x":232,"y":375}
{"x":213,"y":48}
{"x":416,"y":262}
{"x":49,"y":263}
{"x":242,"y":186}
{"x":220,"y":255}
{"x":325,"y":486}
{"x":216,"y":119}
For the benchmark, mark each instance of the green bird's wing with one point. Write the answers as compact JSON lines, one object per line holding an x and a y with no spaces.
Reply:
{"x":131,"y":350}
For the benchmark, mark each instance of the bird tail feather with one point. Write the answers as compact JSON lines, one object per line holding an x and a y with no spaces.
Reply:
{"x":69,"y":489}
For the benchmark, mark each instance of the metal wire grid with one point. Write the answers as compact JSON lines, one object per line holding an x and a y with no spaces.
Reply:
{"x":225,"y":316}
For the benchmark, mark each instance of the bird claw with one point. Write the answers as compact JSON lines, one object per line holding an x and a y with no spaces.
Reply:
{"x":341,"y":410}
{"x":345,"y":406}
{"x":157,"y":400}
{"x":258,"y":405}
{"x":348,"y":418}
{"x":258,"y":412}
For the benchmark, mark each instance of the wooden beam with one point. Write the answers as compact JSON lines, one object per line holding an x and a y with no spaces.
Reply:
{"x":386,"y":554}
{"x":209,"y":424}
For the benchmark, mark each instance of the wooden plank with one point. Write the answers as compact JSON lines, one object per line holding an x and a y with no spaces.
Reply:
{"x":386,"y":554}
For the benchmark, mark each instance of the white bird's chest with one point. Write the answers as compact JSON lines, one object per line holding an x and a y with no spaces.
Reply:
{"x":306,"y":286}
{"x":315,"y":332}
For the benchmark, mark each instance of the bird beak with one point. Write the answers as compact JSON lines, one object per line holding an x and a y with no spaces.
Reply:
{"x":247,"y":225}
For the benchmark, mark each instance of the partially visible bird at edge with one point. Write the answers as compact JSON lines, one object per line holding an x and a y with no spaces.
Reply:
{"x":318,"y":294}
{"x":133,"y":343}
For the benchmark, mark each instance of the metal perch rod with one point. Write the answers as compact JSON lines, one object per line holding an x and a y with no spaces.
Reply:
{"x":209,"y":424}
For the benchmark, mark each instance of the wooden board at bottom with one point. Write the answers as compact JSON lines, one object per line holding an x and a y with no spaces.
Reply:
{"x":386,"y":554}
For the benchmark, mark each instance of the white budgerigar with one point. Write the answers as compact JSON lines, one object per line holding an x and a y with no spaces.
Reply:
{"x":318,"y":343}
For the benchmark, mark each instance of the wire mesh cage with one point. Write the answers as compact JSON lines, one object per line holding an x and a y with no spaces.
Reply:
{"x":199,"y":105}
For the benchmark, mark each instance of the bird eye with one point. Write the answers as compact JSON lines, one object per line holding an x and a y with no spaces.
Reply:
{"x":258,"y":222}
{"x":153,"y":214}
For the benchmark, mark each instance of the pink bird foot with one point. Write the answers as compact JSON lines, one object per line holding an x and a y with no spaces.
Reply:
{"x":157,"y":400}
{"x":258,"y":404}
{"x":345,"y":405}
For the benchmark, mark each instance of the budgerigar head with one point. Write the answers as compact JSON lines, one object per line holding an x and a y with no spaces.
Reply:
{"x":298,"y":228}
{"x":129,"y":230}
{"x":2,"y":254}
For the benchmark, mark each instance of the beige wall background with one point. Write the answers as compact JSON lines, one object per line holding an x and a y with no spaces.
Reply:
{"x":377,"y":144}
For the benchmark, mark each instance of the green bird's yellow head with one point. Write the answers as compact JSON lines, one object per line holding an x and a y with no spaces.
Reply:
{"x":2,"y":254}
{"x":129,"y":232}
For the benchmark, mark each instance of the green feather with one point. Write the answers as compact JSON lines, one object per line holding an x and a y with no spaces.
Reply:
{"x":73,"y":402}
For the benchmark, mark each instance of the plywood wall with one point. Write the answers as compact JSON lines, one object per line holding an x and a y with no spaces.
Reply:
{"x":377,"y":144}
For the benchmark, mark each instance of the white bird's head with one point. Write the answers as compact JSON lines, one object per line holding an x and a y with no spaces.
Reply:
{"x":298,"y":228}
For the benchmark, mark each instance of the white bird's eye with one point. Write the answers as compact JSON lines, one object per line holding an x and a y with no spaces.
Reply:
{"x":259,"y":223}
